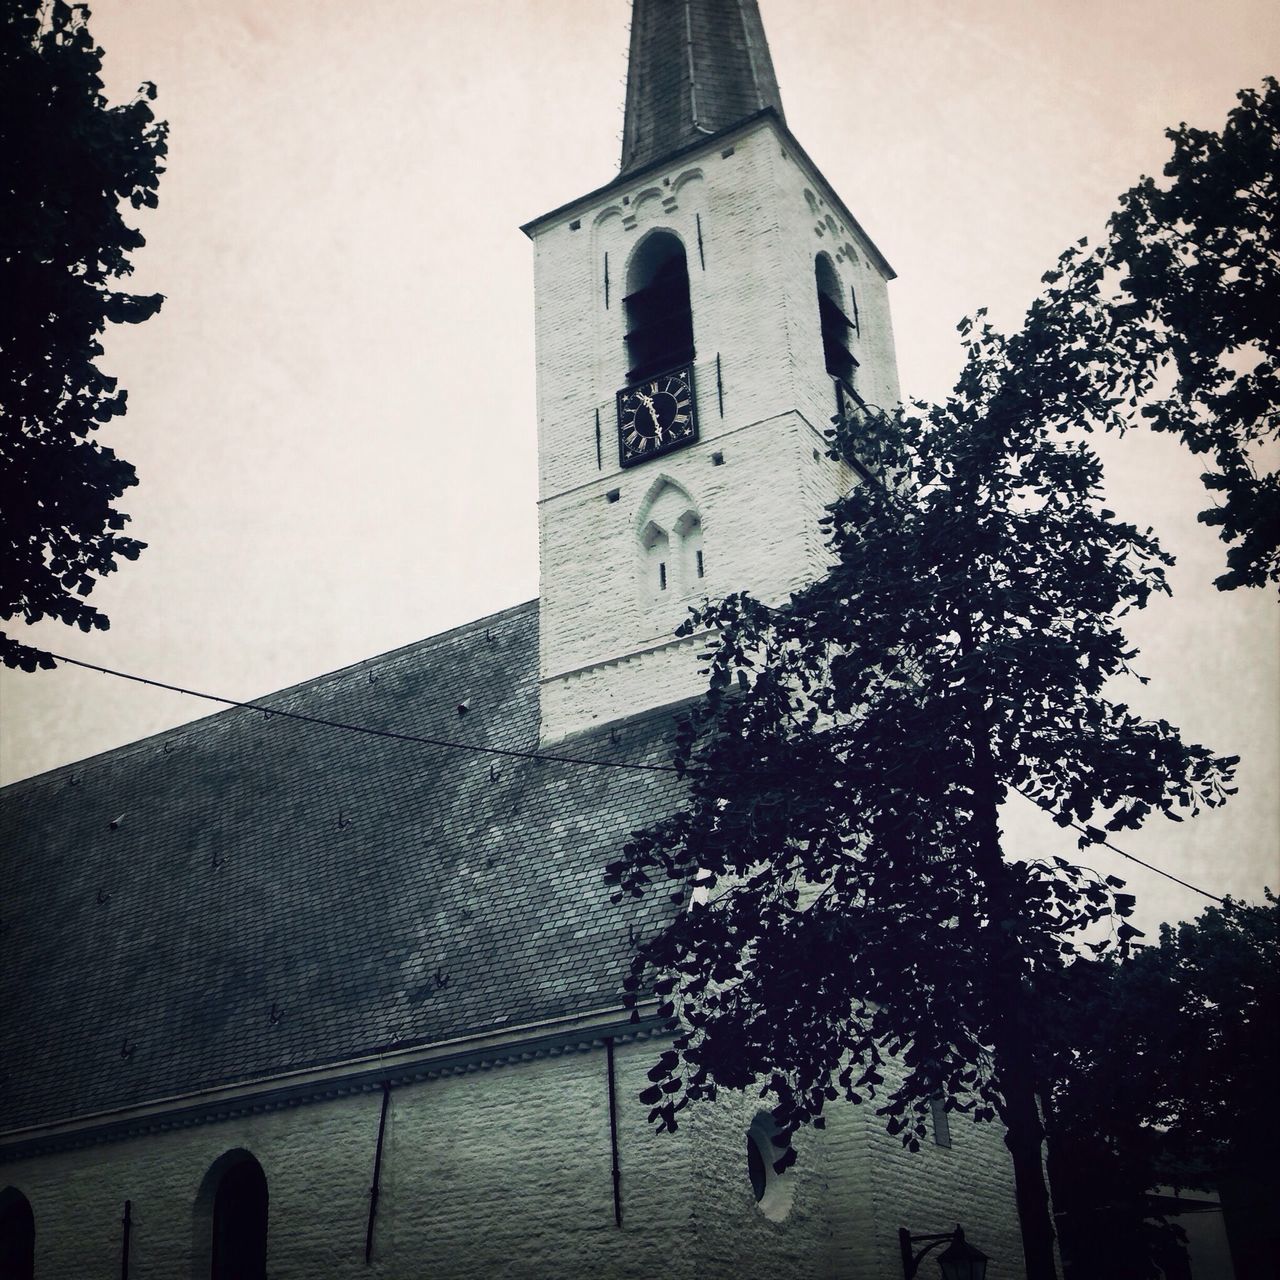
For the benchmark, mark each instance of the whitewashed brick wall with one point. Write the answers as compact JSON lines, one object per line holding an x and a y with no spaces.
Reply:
{"x":506,"y":1173}
{"x":754,"y":307}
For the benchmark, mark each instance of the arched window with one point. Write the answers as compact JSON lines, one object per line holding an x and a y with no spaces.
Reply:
{"x":659,"y":321}
{"x":773,"y":1191}
{"x":17,"y":1236}
{"x":233,"y":1204}
{"x":837,"y":328}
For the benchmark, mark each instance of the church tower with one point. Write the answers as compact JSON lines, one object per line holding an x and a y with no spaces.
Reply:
{"x":699,"y":320}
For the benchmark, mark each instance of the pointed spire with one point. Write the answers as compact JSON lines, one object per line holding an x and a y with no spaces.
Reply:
{"x":696,"y":67}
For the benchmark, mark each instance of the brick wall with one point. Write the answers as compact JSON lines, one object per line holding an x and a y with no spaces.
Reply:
{"x":507,"y":1172}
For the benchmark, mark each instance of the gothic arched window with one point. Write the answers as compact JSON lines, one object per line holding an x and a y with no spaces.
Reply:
{"x":234,"y":1196}
{"x":17,"y":1236}
{"x":659,"y":321}
{"x":837,"y":328}
{"x":671,"y":553}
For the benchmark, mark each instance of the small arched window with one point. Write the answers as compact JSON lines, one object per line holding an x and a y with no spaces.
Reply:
{"x":837,"y":328}
{"x":656,"y":545}
{"x":238,"y":1225}
{"x":659,"y":321}
{"x":17,"y":1236}
{"x":773,"y":1191}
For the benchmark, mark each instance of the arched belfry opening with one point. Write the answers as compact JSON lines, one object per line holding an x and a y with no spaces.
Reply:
{"x":17,"y":1236}
{"x":231,"y":1219}
{"x":659,"y":319}
{"x":672,"y":557}
{"x":837,"y":328}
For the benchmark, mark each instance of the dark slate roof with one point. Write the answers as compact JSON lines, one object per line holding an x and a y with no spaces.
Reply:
{"x":696,"y":67}
{"x":168,"y":897}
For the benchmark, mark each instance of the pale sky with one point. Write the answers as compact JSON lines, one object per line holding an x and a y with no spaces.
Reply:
{"x":333,"y":415}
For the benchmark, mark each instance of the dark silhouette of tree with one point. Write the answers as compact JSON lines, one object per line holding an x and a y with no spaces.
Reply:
{"x":1163,"y":1073}
{"x":68,"y":160}
{"x":856,"y":925}
{"x":1194,"y":299}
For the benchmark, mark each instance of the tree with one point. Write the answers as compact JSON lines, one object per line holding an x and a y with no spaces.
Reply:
{"x":69,"y":161}
{"x":1194,"y":299}
{"x":850,"y":898}
{"x":1161,"y":1073}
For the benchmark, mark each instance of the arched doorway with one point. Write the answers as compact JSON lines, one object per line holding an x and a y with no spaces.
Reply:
{"x":17,"y":1236}
{"x":232,"y":1208}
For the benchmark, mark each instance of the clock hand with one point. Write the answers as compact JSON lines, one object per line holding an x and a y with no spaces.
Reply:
{"x":647,"y":401}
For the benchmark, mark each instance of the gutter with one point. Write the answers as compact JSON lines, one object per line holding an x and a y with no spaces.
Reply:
{"x":546,"y":1038}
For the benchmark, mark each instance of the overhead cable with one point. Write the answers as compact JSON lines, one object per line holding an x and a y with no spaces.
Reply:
{"x":479,"y":749}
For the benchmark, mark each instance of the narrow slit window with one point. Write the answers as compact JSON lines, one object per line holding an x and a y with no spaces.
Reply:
{"x":690,"y":565}
{"x":941,"y":1122}
{"x":662,"y":575}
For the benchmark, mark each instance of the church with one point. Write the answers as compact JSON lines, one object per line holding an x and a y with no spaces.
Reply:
{"x":331,"y":985}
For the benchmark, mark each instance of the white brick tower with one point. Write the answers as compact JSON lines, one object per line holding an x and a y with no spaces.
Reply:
{"x":696,"y":321}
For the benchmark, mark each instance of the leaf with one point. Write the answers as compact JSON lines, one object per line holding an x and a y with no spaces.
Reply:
{"x":848,"y":767}
{"x":55,"y":232}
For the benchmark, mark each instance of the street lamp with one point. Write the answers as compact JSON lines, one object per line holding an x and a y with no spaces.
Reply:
{"x":958,"y":1261}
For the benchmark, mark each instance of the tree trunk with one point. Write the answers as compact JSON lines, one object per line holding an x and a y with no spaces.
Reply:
{"x":1024,"y":1136}
{"x":1014,"y":1060}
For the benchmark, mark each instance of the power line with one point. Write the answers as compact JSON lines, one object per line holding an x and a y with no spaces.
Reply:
{"x":366,"y":729}
{"x":1106,"y":844}
{"x":477,"y":749}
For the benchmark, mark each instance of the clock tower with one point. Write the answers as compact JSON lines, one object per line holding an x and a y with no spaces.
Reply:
{"x":699,"y":320}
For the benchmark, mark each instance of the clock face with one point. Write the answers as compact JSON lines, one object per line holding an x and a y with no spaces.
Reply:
{"x":656,"y":416}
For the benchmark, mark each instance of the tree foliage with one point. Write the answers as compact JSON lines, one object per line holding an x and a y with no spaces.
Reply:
{"x":849,"y":897}
{"x":1160,"y":1071}
{"x":1196,"y":312}
{"x":69,"y":161}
